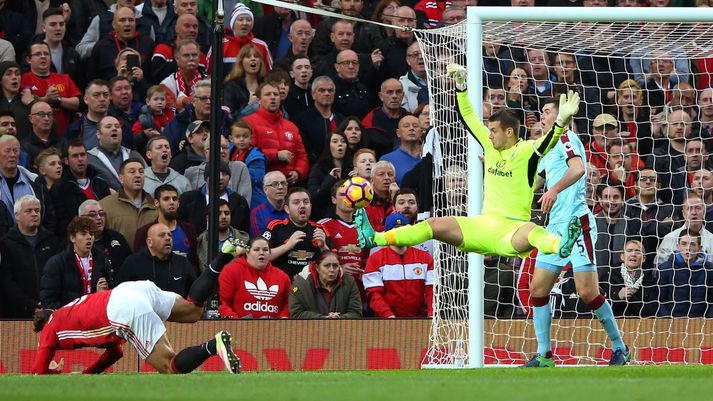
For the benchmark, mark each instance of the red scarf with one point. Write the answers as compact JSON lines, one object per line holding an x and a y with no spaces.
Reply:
{"x":86,"y":275}
{"x":181,"y":83}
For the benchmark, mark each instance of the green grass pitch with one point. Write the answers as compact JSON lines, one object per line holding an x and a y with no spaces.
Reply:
{"x":630,"y":383}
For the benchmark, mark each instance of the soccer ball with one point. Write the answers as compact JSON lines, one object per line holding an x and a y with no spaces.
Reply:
{"x":356,"y":192}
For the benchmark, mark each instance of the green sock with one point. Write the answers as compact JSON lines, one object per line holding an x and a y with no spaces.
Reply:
{"x":405,"y":235}
{"x":543,"y":240}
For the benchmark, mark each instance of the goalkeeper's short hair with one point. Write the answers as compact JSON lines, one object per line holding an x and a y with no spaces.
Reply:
{"x":507,"y":119}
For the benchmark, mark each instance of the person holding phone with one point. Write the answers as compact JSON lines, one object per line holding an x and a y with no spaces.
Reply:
{"x":128,"y":65}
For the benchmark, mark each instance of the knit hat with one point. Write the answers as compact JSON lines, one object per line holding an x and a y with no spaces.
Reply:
{"x":6,"y":65}
{"x":238,"y":10}
{"x":395,"y":219}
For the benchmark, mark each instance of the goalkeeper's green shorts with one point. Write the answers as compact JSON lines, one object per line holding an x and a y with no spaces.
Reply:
{"x":490,"y":235}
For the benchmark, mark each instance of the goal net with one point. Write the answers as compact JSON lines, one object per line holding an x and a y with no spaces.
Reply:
{"x":646,"y":120}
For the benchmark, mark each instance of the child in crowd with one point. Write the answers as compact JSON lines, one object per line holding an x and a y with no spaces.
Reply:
{"x":152,"y":117}
{"x":241,"y":134}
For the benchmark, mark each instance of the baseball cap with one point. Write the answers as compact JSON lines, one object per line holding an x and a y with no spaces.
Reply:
{"x":395,"y":219}
{"x":605,"y":119}
{"x":195,"y":125}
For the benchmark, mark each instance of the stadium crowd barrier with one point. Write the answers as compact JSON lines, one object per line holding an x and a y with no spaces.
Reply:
{"x":265,"y":345}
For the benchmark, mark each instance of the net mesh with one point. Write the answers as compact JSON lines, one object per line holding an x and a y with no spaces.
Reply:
{"x":648,"y":82}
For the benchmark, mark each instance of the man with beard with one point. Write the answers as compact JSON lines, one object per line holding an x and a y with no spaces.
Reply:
{"x":183,"y":233}
{"x":319,"y":120}
{"x":296,"y":240}
{"x":158,"y":152}
{"x":79,"y":182}
{"x":225,"y":231}
{"x":108,"y":156}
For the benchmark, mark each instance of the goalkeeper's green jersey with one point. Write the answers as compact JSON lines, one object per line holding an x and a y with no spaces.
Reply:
{"x":509,"y":183}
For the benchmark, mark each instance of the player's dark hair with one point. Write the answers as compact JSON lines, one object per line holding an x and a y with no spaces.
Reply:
{"x":555,"y":102}
{"x":81,"y":224}
{"x":507,"y":119}
{"x":163,"y":188}
{"x":40,"y":319}
{"x":406,"y":191}
{"x":335,"y":186}
{"x":295,"y":190}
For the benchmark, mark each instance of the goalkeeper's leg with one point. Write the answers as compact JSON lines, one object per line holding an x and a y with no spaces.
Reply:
{"x":532,"y":236}
{"x":445,"y":229}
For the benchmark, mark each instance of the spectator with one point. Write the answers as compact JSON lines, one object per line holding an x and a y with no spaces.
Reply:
{"x":355,"y":133}
{"x":241,"y":23}
{"x":160,"y":15}
{"x":122,"y":105}
{"x":631,"y":287}
{"x":623,"y":164}
{"x":158,"y":152}
{"x":394,"y":48}
{"x":163,"y":62}
{"x":52,"y":88}
{"x":385,"y":187}
{"x":671,"y":157}
{"x":352,"y":96}
{"x":75,"y":271}
{"x":645,"y":68}
{"x":102,"y":24}
{"x":15,"y":28}
{"x":342,"y":38}
{"x":648,"y":216}
{"x":364,"y":35}
{"x":157,"y":263}
{"x":193,"y":151}
{"x":64,"y":59}
{"x":320,"y":120}
{"x":274,"y":28}
{"x":296,"y":240}
{"x":83,"y":13}
{"x":125,"y":34}
{"x":428,"y":14}
{"x":194,"y":204}
{"x":203,"y":31}
{"x":17,"y":182}
{"x":250,"y":287}
{"x":244,"y":78}
{"x":363,"y":160}
{"x":179,"y":85}
{"x":108,"y":156}
{"x":300,"y":98}
{"x":385,"y":118}
{"x":275,"y":187}
{"x":8,"y":126}
{"x":415,"y":81}
{"x":183,"y":233}
{"x":408,"y":154}
{"x":135,"y":74}
{"x":131,"y":207}
{"x":568,"y":74}
{"x":659,"y":82}
{"x":300,"y":37}
{"x":693,"y":212}
{"x":7,"y":52}
{"x":15,"y":99}
{"x":543,"y":83}
{"x":686,"y":280}
{"x":611,"y":224}
{"x":453,"y":15}
{"x":20,"y":274}
{"x":199,"y":109}
{"x":384,"y":13}
{"x":225,"y":230}
{"x":324,"y":291}
{"x":79,"y":182}
{"x":703,"y":186}
{"x":49,"y":166}
{"x":153,"y":117}
{"x":695,"y":158}
{"x":282,"y":80}
{"x":604,"y":128}
{"x":111,"y":243}
{"x":278,"y":137}
{"x":333,"y":165}
{"x":705,"y":108}
{"x":41,"y":137}
{"x":97,"y":99}
{"x":399,"y":280}
{"x":634,"y":116}
{"x":239,"y":174}
{"x":243,"y":151}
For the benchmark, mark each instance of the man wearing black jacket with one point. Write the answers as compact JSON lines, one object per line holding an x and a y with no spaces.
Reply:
{"x":272,"y":29}
{"x":77,"y":270}
{"x":158,"y":263}
{"x":25,"y":250}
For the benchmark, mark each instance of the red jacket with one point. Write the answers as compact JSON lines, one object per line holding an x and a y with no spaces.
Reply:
{"x":231,"y":48}
{"x":400,"y":285}
{"x":246,"y":291}
{"x":272,"y":133}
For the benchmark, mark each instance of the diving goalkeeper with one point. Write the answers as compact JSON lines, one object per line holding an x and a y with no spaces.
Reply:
{"x":504,"y":228}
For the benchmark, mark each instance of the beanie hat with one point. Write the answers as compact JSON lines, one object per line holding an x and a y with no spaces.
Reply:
{"x":238,"y":10}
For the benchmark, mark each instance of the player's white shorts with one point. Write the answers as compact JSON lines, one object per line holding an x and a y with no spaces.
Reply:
{"x":582,"y":257}
{"x":137,"y":310}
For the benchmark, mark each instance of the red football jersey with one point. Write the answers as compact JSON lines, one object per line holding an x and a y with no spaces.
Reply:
{"x":249,"y":292}
{"x":79,"y":324}
{"x":66,"y":88}
{"x":344,"y":240}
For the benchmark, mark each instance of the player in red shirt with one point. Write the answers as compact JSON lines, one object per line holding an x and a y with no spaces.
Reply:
{"x":252,"y":287}
{"x":58,"y":90}
{"x":135,"y":312}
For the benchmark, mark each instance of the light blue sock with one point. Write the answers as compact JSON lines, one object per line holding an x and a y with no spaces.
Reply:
{"x":606,"y":316}
{"x":542,"y":318}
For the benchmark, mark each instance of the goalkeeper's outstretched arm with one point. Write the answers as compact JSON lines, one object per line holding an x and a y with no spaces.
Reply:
{"x":465,"y":109}
{"x":569,"y":105}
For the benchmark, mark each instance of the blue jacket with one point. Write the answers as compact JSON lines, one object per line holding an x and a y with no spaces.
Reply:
{"x":685,"y":291}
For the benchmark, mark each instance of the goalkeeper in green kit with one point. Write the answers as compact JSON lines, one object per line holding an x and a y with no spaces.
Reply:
{"x":504,"y":227}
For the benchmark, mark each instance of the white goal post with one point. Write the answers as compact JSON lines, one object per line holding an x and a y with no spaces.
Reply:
{"x":458,"y":341}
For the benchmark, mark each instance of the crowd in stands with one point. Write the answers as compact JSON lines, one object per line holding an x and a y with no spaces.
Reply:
{"x":105,"y":139}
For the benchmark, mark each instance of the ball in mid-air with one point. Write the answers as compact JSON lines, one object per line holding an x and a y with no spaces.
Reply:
{"x":357,"y":192}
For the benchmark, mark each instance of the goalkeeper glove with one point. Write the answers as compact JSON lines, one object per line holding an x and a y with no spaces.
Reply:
{"x":230,"y":246}
{"x":569,"y":106}
{"x":458,"y":74}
